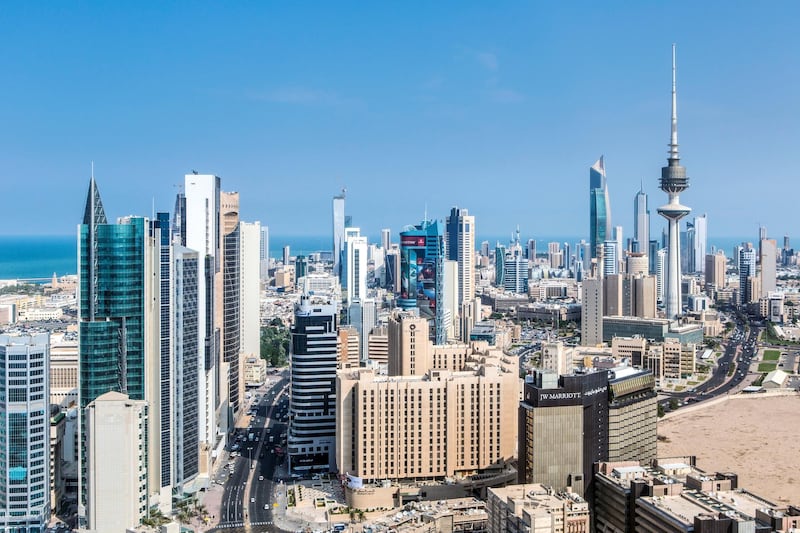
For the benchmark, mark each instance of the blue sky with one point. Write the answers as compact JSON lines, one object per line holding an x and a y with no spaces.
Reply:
{"x":497,"y":107}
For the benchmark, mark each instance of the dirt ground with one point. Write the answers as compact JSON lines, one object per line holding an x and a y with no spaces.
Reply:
{"x":755,"y":436}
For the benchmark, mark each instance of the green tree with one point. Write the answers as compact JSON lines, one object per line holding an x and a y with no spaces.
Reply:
{"x":275,"y":344}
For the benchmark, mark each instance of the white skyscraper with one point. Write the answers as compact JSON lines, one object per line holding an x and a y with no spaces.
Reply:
{"x":661,"y":272}
{"x":202,"y":235}
{"x":747,"y":270}
{"x":250,"y":301}
{"x":700,"y":243}
{"x":641,"y":222}
{"x":264,"y":253}
{"x":24,"y":431}
{"x":354,"y":269}
{"x":338,"y":232}
{"x":673,"y":182}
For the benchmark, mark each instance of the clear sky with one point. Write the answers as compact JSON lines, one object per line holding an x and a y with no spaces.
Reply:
{"x":499,"y":107}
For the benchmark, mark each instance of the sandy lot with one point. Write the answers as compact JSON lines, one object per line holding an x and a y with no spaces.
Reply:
{"x":754,"y":436}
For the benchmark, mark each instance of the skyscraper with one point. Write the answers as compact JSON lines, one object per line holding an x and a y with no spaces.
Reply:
{"x":24,"y":430}
{"x":117,"y":319}
{"x":422,"y":274}
{"x":264,"y":253}
{"x":312,"y":406}
{"x":747,"y":270}
{"x":700,"y":243}
{"x":715,"y":270}
{"x":769,"y":262}
{"x":460,"y":239}
{"x":673,"y":182}
{"x":203,"y":236}
{"x":591,"y":312}
{"x":599,"y":206}
{"x":641,"y":223}
{"x":515,"y":278}
{"x":354,"y":266}
{"x":338,"y":232}
{"x":231,"y":300}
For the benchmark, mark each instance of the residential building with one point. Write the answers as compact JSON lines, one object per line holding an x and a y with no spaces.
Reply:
{"x":24,"y":433}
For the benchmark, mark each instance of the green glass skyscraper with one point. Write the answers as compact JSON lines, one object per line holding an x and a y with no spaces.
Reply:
{"x":112,"y":272}
{"x":599,"y":206}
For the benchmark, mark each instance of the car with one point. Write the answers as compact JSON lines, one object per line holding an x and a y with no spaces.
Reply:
{"x":252,"y":500}
{"x":261,"y":478}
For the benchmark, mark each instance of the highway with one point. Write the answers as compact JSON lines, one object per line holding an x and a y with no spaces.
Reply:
{"x":739,"y":352}
{"x":248,"y":482}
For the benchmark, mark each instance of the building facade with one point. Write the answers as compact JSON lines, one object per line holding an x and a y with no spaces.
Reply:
{"x":24,"y":433}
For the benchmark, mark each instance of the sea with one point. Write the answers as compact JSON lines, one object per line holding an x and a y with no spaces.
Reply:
{"x":38,"y":257}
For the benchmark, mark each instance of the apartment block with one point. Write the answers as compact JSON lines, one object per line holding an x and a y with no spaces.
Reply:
{"x":535,"y":507}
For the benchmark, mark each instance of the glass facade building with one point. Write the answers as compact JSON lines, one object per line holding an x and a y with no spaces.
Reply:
{"x":24,"y":433}
{"x":599,"y":206}
{"x":422,"y":274}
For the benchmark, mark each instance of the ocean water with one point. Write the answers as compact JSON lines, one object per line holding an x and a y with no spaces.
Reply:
{"x":39,"y":257}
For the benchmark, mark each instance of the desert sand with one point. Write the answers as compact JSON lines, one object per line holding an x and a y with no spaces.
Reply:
{"x":755,"y":436}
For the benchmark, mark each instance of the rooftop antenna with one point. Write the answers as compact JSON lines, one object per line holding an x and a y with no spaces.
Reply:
{"x":673,"y":140}
{"x":92,"y":170}
{"x":425,"y":216}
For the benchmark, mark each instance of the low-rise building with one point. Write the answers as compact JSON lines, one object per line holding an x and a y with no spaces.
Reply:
{"x":534,"y":508}
{"x":672,"y":495}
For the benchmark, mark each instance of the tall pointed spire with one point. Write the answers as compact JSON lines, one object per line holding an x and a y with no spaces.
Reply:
{"x":93,"y":213}
{"x":673,"y":138}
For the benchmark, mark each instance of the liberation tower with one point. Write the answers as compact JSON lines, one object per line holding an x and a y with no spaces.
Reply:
{"x":673,"y":182}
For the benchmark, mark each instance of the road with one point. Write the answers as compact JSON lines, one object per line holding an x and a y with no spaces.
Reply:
{"x":739,"y":352}
{"x":247,"y":498}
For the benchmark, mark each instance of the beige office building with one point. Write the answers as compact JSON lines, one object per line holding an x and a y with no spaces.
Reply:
{"x":378,"y":345}
{"x":591,"y":312}
{"x":536,"y":508}
{"x":116,"y":450}
{"x":347,"y":347}
{"x":715,"y":270}
{"x":63,"y":369}
{"x":443,"y":411}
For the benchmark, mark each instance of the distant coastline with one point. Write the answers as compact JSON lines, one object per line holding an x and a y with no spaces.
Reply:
{"x":40,"y":256}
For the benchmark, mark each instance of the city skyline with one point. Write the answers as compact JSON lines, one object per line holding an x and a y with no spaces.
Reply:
{"x":528,"y":93}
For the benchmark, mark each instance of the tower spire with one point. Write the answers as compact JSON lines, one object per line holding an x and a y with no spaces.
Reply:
{"x":673,"y":139}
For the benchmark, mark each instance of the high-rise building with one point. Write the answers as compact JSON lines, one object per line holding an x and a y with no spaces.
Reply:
{"x":179,"y":343}
{"x":338,"y":232}
{"x":455,"y":403}
{"x":515,"y":277}
{"x":747,"y":270}
{"x":460,"y":239}
{"x":264,"y":254}
{"x":354,"y":266}
{"x":641,"y":223}
{"x":599,"y":206}
{"x":531,"y":250}
{"x":118,"y":320}
{"x":363,"y":316}
{"x":499,"y":265}
{"x":117,"y":462}
{"x":591,"y":311}
{"x":661,"y":273}
{"x":287,"y":256}
{"x":769,"y":263}
{"x":231,"y":302}
{"x":386,"y":239}
{"x":312,"y":406}
{"x":700,"y":244}
{"x":250,"y":289}
{"x":715,"y":270}
{"x":422,"y":274}
{"x":611,"y":254}
{"x":203,"y":236}
{"x":24,"y":433}
{"x":673,"y":182}
{"x":570,"y":422}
